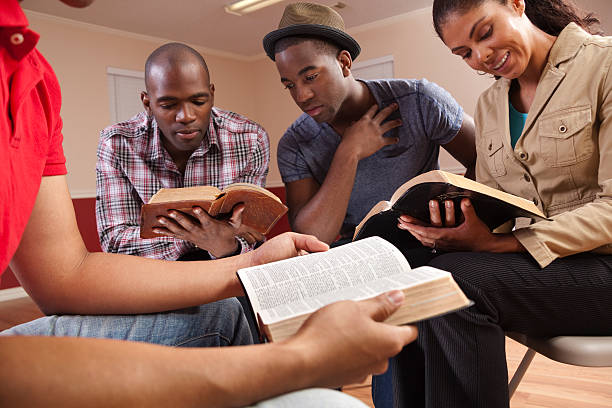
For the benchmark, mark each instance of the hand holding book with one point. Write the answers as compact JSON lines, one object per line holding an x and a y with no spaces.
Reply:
{"x":469,"y":233}
{"x":217,"y":236}
{"x":284,"y":294}
{"x":209,"y":217}
{"x":352,"y":339}
{"x":413,"y":201}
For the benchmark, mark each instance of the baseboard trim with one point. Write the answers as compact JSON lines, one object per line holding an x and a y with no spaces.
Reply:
{"x":12,"y":293}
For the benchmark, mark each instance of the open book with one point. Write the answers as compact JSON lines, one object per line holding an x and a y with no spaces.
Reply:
{"x":494,"y":207}
{"x":262,"y":208}
{"x":283,"y":294}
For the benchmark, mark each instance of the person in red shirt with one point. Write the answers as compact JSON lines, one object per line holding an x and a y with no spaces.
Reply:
{"x":41,"y":241}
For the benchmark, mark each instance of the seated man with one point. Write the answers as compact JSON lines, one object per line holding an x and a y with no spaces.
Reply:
{"x":41,"y":240}
{"x":357,"y":141}
{"x":180,"y":140}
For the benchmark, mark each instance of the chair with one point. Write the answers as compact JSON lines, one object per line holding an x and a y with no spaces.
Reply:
{"x":587,"y":351}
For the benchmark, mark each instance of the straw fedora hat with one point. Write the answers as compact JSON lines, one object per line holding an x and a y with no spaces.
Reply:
{"x":309,"y":19}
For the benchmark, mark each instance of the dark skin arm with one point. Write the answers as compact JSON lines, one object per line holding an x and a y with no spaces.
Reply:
{"x":307,"y":200}
{"x":63,"y":278}
{"x":463,"y":146}
{"x":82,"y":372}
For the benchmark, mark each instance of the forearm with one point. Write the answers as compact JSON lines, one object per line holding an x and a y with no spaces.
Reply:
{"x":132,"y":285}
{"x":68,"y":372}
{"x":504,"y":243}
{"x":324,"y":213}
{"x":254,"y":373}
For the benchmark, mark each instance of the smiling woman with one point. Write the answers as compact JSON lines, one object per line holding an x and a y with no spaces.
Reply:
{"x":475,"y":42}
{"x":547,"y":278}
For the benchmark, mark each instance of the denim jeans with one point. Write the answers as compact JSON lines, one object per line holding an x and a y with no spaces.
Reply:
{"x":215,"y":324}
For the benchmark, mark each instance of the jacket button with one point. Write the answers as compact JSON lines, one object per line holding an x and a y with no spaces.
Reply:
{"x":527,"y":178}
{"x":17,"y":39}
{"x":490,"y":146}
{"x":562,"y":128}
{"x":523,"y":155}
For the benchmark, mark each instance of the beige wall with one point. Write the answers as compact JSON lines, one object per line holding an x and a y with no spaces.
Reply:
{"x":80,"y":55}
{"x":275,"y":109}
{"x":417,"y":53}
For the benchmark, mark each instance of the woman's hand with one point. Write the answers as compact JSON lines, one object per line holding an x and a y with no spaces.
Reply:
{"x":470,"y":235}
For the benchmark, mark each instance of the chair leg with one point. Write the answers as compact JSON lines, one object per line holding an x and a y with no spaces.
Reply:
{"x":520,"y":371}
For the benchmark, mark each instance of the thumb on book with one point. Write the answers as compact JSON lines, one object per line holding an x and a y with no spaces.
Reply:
{"x":468,"y":209}
{"x":236,"y":218}
{"x":382,"y":306}
{"x":309,"y":243}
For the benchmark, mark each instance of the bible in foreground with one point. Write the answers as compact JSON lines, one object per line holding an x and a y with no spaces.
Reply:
{"x":494,"y":207}
{"x":283,"y":294}
{"x":262,"y":208}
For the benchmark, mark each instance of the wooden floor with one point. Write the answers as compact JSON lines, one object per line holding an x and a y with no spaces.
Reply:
{"x":546,"y":384}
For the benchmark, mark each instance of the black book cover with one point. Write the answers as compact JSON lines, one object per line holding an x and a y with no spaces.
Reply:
{"x":415,"y":203}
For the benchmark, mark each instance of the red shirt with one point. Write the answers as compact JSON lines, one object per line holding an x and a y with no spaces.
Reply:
{"x":30,"y":126}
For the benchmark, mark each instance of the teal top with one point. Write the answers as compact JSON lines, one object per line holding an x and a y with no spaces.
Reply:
{"x":517,"y":123}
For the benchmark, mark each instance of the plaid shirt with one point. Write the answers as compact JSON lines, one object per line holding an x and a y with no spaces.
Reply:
{"x":133,"y":165}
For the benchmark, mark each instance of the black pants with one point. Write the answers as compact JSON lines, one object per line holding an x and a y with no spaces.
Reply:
{"x":459,"y":359}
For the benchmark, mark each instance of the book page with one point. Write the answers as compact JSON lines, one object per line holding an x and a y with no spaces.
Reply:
{"x":252,"y":187}
{"x":435,"y":176}
{"x":301,"y":285}
{"x":185,"y":193}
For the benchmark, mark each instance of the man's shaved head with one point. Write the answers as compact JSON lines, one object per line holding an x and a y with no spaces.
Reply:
{"x":171,"y":55}
{"x":180,"y":97}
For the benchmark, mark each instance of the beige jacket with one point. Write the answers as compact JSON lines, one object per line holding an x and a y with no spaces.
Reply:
{"x":563,"y":159}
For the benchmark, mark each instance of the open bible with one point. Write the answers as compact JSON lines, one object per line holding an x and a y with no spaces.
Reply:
{"x":283,"y":294}
{"x":262,"y":208}
{"x":494,"y":207}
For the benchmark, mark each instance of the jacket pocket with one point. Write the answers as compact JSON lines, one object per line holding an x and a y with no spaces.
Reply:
{"x":493,"y":152}
{"x":565,"y":136}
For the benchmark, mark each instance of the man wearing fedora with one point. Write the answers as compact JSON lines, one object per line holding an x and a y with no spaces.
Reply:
{"x":54,"y":361}
{"x":357,"y":141}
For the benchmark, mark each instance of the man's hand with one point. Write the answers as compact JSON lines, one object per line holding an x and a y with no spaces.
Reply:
{"x":285,"y":246}
{"x":345,"y":342}
{"x":470,"y":235}
{"x":215,"y":236}
{"x":365,"y":137}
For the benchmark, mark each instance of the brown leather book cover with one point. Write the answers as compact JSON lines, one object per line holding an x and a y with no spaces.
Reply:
{"x":262,"y":208}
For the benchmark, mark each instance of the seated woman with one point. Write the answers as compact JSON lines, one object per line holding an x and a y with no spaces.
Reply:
{"x":544,"y":130}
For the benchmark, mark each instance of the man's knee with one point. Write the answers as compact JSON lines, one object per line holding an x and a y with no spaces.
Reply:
{"x":229,"y":317}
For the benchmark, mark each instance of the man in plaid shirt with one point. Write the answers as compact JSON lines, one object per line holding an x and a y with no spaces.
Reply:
{"x":180,"y":140}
